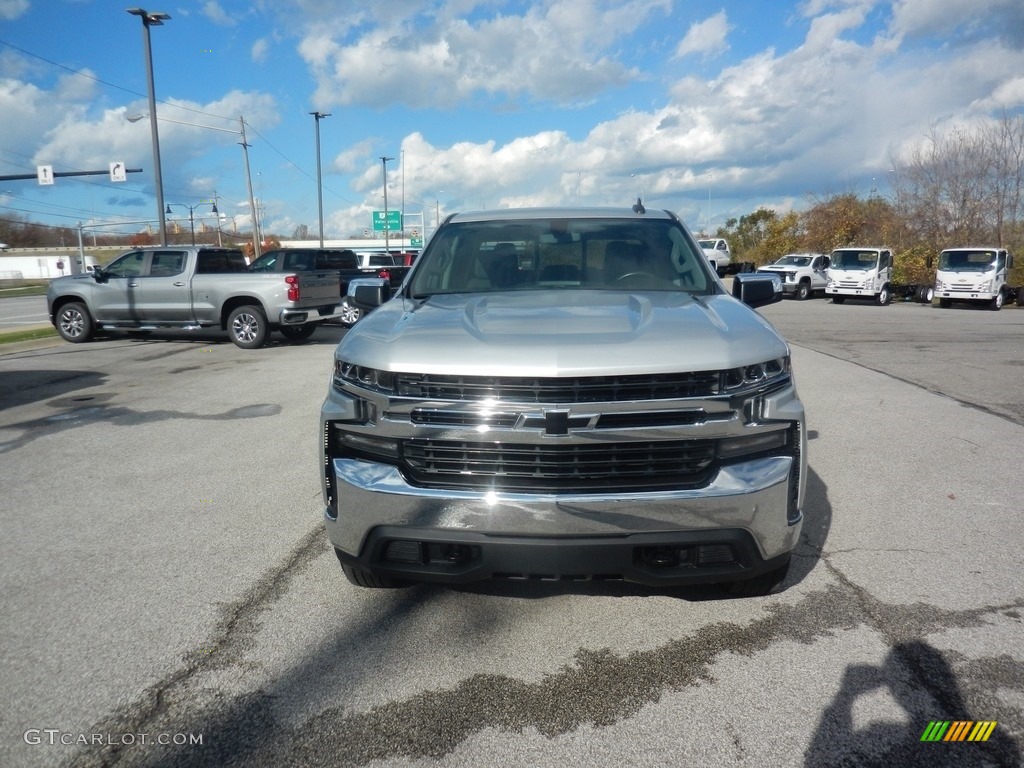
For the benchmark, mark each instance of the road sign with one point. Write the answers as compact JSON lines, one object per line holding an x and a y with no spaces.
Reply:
{"x":118,"y":172}
{"x":416,"y":242}
{"x":45,"y":174}
{"x":393,"y":222}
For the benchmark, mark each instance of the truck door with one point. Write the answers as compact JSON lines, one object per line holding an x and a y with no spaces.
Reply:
{"x":166,"y":297}
{"x":117,"y":298}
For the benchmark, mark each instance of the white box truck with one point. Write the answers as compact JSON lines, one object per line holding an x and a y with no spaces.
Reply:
{"x":860,"y":273}
{"x":973,"y":274}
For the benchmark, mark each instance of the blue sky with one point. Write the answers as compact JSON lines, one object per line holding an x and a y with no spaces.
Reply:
{"x":707,"y":109}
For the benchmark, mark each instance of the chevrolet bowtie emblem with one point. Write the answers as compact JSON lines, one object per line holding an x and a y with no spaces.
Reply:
{"x":556,"y":422}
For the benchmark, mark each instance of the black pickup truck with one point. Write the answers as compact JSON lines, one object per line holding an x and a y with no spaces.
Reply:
{"x":348,"y":265}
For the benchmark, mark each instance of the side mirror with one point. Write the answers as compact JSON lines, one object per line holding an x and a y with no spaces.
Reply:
{"x":99,"y":275}
{"x":369,"y":291}
{"x":825,"y":262}
{"x":757,"y":289}
{"x":1009,"y":261}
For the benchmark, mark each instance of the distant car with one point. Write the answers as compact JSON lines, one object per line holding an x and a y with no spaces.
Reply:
{"x":4,"y":246}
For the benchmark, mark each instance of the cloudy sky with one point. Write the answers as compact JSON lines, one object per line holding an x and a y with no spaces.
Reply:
{"x":707,"y":109}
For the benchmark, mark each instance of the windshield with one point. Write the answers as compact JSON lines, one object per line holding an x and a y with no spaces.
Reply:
{"x":854,"y":260}
{"x":564,"y":254}
{"x":967,"y":261}
{"x":793,"y":261}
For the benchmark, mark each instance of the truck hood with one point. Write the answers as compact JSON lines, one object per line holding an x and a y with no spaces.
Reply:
{"x":562,"y":333}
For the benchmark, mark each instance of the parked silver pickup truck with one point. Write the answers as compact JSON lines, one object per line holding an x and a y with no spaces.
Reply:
{"x":189,"y":287}
{"x":564,"y":394}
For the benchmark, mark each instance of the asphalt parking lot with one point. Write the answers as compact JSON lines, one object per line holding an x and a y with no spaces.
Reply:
{"x":166,"y":578}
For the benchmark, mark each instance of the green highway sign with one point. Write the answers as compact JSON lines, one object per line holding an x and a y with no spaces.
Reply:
{"x":416,"y":242}
{"x":391,"y":223}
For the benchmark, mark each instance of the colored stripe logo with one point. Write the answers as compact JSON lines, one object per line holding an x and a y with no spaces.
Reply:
{"x":959,"y":730}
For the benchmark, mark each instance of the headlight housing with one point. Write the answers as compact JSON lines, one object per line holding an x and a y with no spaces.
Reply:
{"x":757,"y":377}
{"x":363,"y":377}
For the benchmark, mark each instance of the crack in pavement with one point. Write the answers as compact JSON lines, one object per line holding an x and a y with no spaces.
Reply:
{"x":600,"y":688}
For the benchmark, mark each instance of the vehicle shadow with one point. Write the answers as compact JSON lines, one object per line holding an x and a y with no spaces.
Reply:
{"x":325,"y":335}
{"x":925,"y":686}
{"x":23,"y":387}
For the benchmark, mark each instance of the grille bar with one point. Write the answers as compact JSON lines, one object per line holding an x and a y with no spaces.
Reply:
{"x":559,"y":390}
{"x":657,"y":464}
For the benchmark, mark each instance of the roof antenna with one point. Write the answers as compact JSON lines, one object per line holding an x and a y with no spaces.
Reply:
{"x":638,"y":207}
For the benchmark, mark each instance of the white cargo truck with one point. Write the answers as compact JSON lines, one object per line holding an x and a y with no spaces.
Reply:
{"x":973,"y":274}
{"x":860,"y":273}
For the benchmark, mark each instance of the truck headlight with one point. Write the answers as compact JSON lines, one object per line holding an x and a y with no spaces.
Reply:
{"x":757,"y":376}
{"x":363,"y":376}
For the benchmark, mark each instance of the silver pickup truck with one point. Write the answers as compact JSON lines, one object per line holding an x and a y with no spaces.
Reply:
{"x":565,"y":394}
{"x":188,"y":287}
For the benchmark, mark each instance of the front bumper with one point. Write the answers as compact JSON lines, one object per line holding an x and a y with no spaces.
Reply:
{"x":735,"y":528}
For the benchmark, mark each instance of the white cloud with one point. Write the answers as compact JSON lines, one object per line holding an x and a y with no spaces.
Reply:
{"x":259,"y":50}
{"x":216,"y":13}
{"x":12,"y":9}
{"x":706,"y":37}
{"x":560,"y":52}
{"x":937,"y":18}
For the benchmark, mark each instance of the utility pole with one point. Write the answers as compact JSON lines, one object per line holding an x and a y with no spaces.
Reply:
{"x":387,"y":241}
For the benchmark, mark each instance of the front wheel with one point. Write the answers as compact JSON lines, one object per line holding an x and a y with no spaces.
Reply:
{"x":997,"y":302}
{"x":298,"y":332}
{"x":884,"y":296}
{"x":762,"y":585}
{"x":363,"y":577}
{"x":247,"y":327}
{"x":349,"y":315}
{"x":803,"y":290}
{"x":74,"y":323}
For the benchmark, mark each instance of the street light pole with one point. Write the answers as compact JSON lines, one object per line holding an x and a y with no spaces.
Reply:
{"x":318,"y":116}
{"x":257,"y":251}
{"x":709,"y":205}
{"x":387,"y":241}
{"x":191,"y":216}
{"x":156,"y":20}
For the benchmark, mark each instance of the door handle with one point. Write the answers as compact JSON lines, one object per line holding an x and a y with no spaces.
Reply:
{"x":133,"y":285}
{"x":179,"y":284}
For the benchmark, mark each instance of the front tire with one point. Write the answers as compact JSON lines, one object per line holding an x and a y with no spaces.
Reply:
{"x":363,"y":577}
{"x":74,"y":323}
{"x":997,"y":302}
{"x":803,"y":290}
{"x":762,"y":585}
{"x":884,"y":296}
{"x":298,"y":332}
{"x":349,"y":315}
{"x":247,"y":327}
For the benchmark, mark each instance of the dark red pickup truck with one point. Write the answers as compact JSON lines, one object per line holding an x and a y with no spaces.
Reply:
{"x":345,"y":261}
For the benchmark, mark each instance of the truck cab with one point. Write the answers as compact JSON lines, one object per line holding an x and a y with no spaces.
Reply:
{"x":976,"y":275}
{"x":860,"y":273}
{"x":718,"y":253}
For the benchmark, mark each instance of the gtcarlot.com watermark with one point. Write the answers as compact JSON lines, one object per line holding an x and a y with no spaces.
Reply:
{"x":56,"y":737}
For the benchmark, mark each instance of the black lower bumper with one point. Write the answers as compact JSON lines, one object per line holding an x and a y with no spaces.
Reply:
{"x":652,"y":559}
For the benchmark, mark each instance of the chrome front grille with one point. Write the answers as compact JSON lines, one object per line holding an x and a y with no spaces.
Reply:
{"x":529,"y":389}
{"x":648,"y":465}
